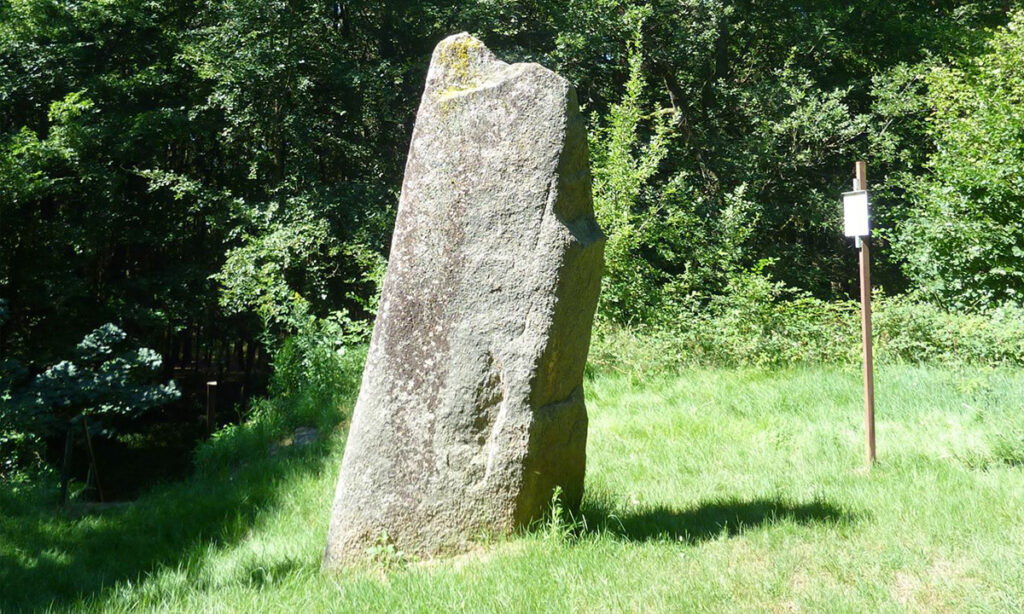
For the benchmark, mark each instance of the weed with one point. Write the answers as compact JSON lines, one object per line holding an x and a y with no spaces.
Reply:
{"x":384,"y":553}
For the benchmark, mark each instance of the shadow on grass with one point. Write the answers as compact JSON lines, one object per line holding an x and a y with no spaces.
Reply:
{"x":708,"y":520}
{"x":50,"y":557}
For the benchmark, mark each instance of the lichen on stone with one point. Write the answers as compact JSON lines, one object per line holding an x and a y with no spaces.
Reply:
{"x":461,"y":71}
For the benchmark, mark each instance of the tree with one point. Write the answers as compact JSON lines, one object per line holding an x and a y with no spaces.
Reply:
{"x":965,"y":246}
{"x":106,"y":381}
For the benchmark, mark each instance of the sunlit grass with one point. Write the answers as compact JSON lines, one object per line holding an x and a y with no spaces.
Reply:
{"x":720,"y":490}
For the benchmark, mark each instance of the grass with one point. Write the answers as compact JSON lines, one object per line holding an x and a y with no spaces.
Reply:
{"x":707,"y":490}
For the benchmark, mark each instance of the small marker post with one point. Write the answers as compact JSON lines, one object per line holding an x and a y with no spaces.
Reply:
{"x":856,"y":224}
{"x":861,"y":179}
{"x":211,"y":407}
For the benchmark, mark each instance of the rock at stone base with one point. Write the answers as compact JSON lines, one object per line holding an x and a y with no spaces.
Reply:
{"x":471,"y":409}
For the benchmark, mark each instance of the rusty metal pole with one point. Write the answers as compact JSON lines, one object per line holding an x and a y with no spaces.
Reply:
{"x":861,"y":174}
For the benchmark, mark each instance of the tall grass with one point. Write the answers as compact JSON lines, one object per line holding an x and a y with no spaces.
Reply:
{"x":732,"y":490}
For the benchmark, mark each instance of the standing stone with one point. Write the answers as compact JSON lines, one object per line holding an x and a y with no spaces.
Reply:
{"x":471,"y":408}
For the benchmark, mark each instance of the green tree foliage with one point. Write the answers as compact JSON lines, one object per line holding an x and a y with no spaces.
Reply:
{"x":309,"y":102}
{"x":735,"y":129}
{"x":622,"y":168}
{"x":766,"y":104}
{"x":93,"y":97}
{"x":104,"y":379}
{"x":965,"y":247}
{"x":667,"y":245}
{"x":145,"y":145}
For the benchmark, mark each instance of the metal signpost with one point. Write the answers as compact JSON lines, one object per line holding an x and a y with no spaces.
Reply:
{"x":856,"y":224}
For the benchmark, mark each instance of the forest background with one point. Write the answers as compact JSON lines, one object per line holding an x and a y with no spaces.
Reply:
{"x":205,"y":189}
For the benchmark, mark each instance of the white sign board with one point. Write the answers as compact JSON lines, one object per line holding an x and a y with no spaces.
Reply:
{"x":855,"y":214}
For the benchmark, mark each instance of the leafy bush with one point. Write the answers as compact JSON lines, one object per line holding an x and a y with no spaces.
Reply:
{"x":912,"y":330}
{"x":105,"y":378}
{"x":283,"y":274}
{"x":20,"y":441}
{"x":313,"y":369}
{"x":316,"y":376}
{"x":761,"y":322}
{"x":623,"y":164}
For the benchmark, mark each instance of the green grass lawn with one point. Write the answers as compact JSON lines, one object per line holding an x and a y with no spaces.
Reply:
{"x":710,"y":490}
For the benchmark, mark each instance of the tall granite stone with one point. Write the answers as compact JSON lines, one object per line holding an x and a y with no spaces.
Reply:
{"x":471,"y":409}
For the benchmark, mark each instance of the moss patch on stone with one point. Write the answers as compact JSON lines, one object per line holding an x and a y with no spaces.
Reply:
{"x":457,"y":58}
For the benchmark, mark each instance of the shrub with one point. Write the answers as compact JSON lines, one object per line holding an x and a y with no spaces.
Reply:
{"x":911,"y":330}
{"x":316,"y":377}
{"x":761,"y":322}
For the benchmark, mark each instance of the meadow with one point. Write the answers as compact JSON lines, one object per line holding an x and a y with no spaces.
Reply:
{"x":725,"y":490}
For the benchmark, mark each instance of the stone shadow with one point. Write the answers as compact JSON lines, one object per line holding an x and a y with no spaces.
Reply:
{"x":708,"y":520}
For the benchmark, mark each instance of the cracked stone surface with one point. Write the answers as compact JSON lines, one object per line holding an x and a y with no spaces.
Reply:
{"x":471,"y":409}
